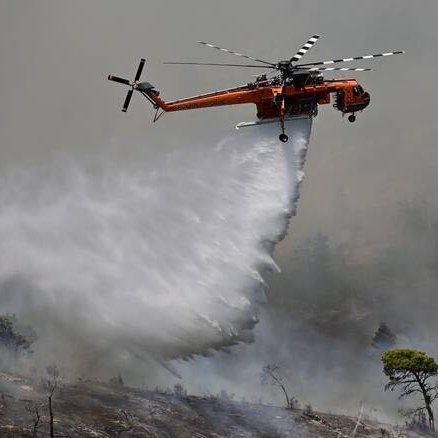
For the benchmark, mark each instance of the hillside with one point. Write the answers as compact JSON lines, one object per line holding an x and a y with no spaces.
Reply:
{"x":92,"y":409}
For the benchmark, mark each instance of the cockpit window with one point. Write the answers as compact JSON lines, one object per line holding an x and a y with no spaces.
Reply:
{"x":357,"y":90}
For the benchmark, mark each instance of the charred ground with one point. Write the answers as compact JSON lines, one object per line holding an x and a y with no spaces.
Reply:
{"x":94,"y":409}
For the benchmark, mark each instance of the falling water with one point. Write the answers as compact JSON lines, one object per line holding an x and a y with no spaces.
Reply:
{"x":158,"y":261}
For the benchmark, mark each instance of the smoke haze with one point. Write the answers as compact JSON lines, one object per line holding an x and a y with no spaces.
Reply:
{"x":55,"y":100}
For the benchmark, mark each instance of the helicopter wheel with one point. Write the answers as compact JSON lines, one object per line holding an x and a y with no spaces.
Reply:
{"x":283,"y":137}
{"x":351,"y":118}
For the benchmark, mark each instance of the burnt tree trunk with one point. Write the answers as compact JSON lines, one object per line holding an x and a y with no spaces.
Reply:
{"x":52,"y":432}
{"x":427,"y":402}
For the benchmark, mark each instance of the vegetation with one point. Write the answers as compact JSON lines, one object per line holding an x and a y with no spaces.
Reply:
{"x":417,"y":422}
{"x":11,"y":337}
{"x":410,"y":371}
{"x":384,"y":337}
{"x":179,"y":390}
{"x":117,"y":380}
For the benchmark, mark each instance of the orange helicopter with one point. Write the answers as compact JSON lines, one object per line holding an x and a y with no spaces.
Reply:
{"x":295,"y":91}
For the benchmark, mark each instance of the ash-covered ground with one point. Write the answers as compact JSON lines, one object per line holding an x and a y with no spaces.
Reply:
{"x":94,"y":409}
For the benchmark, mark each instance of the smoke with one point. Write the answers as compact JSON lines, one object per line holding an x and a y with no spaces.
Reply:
{"x":145,"y":262}
{"x":324,"y":311}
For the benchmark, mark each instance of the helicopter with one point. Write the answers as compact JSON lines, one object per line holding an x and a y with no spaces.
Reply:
{"x":294,"y":91}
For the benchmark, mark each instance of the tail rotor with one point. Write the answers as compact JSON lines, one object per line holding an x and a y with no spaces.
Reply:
{"x":132,"y":84}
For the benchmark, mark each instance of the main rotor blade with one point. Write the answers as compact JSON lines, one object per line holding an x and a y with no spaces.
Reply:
{"x":377,"y":55}
{"x":139,"y":70}
{"x":127,"y":100}
{"x":235,"y":53}
{"x":226,"y":65}
{"x":119,"y":80}
{"x":332,"y":69}
{"x":309,"y":44}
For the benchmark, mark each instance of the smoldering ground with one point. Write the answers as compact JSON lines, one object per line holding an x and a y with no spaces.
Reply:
{"x":151,"y":262}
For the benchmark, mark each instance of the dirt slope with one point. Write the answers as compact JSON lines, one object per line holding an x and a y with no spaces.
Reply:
{"x":90,"y":409}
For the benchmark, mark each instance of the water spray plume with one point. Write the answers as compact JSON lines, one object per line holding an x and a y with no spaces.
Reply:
{"x":158,"y":263}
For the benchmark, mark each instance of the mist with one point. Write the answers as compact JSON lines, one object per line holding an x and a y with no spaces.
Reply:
{"x":151,"y":262}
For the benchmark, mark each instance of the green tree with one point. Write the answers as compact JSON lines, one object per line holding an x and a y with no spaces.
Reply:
{"x":10,"y":337}
{"x":411,"y":371}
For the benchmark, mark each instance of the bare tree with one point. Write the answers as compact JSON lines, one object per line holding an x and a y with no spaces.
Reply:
{"x":51,"y":385}
{"x":34,"y":408}
{"x":270,"y":375}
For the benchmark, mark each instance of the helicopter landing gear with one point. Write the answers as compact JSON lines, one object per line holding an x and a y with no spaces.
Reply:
{"x":283,"y":137}
{"x":351,"y":118}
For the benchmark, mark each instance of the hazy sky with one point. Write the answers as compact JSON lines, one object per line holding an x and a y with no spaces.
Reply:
{"x":55,"y":56}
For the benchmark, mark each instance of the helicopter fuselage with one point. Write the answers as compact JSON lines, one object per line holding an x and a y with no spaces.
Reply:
{"x":271,"y":96}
